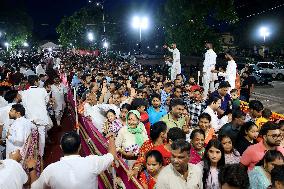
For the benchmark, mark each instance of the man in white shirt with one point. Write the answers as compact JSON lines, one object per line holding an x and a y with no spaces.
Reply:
{"x":180,"y":174}
{"x":96,"y":111}
{"x":58,"y":92}
{"x":214,"y":103}
{"x":208,"y":67}
{"x":74,"y":171}
{"x":231,"y":71}
{"x":35,"y":100}
{"x":19,"y":131}
{"x":40,"y":69}
{"x":176,"y":66}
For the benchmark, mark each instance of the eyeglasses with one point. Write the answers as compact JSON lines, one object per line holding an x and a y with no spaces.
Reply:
{"x":275,"y":136}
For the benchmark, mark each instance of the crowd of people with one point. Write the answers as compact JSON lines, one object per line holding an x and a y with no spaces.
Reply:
{"x":171,"y":133}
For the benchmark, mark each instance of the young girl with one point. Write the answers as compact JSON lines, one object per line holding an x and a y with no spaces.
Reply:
{"x":154,"y":163}
{"x":232,"y":156}
{"x":248,"y":135}
{"x":112,"y":124}
{"x":213,"y":161}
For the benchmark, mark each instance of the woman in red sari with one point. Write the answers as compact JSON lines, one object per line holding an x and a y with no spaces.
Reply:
{"x":158,"y":134}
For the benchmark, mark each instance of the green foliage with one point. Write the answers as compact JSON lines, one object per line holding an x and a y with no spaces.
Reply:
{"x":17,"y":26}
{"x":73,"y":29}
{"x":186,"y":22}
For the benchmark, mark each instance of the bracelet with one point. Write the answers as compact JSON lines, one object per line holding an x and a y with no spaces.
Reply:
{"x":136,"y":168}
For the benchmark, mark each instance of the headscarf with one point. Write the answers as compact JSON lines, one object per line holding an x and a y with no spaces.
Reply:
{"x":138,"y":131}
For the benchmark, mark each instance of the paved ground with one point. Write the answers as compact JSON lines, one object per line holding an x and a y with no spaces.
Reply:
{"x":271,"y":96}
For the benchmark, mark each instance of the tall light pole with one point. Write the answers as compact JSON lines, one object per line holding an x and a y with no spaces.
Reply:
{"x":7,"y":45}
{"x":264,"y":32}
{"x":140,"y":23}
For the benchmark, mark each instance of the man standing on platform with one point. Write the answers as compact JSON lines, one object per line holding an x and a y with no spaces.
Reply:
{"x":176,"y":66}
{"x":208,"y":66}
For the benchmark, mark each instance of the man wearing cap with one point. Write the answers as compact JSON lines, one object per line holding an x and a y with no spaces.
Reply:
{"x":176,"y":66}
{"x":208,"y":66}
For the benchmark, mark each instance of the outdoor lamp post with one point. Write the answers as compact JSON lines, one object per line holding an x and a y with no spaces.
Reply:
{"x":7,"y":45}
{"x":264,"y":32}
{"x":90,"y":36}
{"x":140,"y":23}
{"x":105,"y":45}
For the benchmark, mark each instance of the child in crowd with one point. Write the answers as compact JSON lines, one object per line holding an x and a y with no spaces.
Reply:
{"x":204,"y":124}
{"x":112,"y":124}
{"x":235,"y":103}
{"x":232,"y":156}
{"x":266,"y":115}
{"x":221,"y":75}
{"x":154,"y":164}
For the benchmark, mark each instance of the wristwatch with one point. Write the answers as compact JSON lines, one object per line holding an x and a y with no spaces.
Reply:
{"x":31,"y":169}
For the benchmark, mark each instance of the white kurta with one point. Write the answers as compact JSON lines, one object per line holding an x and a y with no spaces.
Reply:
{"x":3,"y":102}
{"x":74,"y":172}
{"x":35,"y":100}
{"x":40,"y":70}
{"x":19,"y":131}
{"x":58,"y":92}
{"x":215,"y":122}
{"x":97,"y":113}
{"x":231,"y":73}
{"x":208,"y":65}
{"x":12,"y":175}
{"x":176,"y":66}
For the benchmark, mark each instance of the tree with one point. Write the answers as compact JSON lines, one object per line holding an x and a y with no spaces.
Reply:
{"x":73,"y":29}
{"x":16,"y":24}
{"x":188,"y":22}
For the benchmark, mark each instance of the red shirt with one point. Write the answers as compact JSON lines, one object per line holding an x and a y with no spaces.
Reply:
{"x":147,"y":179}
{"x":144,"y":118}
{"x":254,"y":153}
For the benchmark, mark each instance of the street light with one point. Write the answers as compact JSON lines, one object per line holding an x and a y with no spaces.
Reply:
{"x":7,"y":45}
{"x":105,"y":45}
{"x":140,"y":23}
{"x":25,"y":44}
{"x":90,"y":36}
{"x":263,"y":31}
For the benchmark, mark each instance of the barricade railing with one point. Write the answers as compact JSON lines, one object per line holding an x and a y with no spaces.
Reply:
{"x":93,"y":142}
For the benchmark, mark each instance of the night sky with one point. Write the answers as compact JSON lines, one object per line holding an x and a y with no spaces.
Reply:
{"x":46,"y":15}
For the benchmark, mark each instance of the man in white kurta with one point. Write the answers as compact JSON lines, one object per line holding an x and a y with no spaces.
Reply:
{"x":231,"y":71}
{"x":19,"y":131}
{"x":176,"y":66}
{"x":208,"y":66}
{"x":58,"y":92}
{"x":35,"y":100}
{"x":40,"y":70}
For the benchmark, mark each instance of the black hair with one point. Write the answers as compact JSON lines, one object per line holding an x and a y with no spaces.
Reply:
{"x":138,"y":102}
{"x":207,"y":163}
{"x":214,"y":99}
{"x":234,"y":175}
{"x":155,"y":95}
{"x":195,"y":131}
{"x":224,"y":84}
{"x":157,"y":155}
{"x":277,"y":174}
{"x":237,"y":114}
{"x":182,"y":145}
{"x":267,"y":127}
{"x":156,"y":129}
{"x":168,"y":84}
{"x":222,"y":136}
{"x":176,"y":102}
{"x":255,"y":105}
{"x":205,"y":116}
{"x":32,"y":79}
{"x":270,"y":156}
{"x":112,"y":111}
{"x":10,"y":95}
{"x":19,"y":108}
{"x":246,"y":127}
{"x":126,"y":106}
{"x":175,"y":133}
{"x":234,"y":91}
{"x":70,"y":142}
{"x":266,"y":113}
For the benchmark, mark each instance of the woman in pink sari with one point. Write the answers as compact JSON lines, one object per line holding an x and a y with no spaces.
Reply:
{"x":197,"y":146}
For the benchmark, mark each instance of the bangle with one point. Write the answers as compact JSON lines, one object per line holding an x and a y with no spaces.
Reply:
{"x":136,"y":168}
